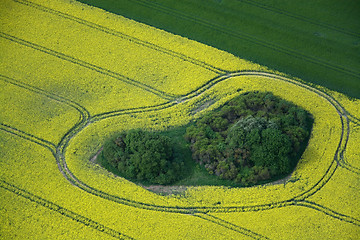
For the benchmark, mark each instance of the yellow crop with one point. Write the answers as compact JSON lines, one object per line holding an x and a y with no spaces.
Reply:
{"x":72,"y":75}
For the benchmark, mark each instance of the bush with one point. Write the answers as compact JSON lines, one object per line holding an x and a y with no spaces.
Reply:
{"x":144,"y":156}
{"x":252,"y":138}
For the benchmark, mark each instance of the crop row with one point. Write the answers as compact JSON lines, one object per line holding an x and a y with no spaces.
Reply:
{"x":309,"y":192}
{"x":299,"y":17}
{"x":70,"y":80}
{"x":240,"y":35}
{"x":105,"y":59}
{"x":256,"y":208}
{"x":86,"y":65}
{"x":63,"y":211}
{"x":55,"y":195}
{"x":101,"y":105}
{"x":123,"y":35}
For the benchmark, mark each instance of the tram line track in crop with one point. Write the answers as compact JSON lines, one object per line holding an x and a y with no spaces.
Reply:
{"x":88,"y":222}
{"x":63,"y":211}
{"x":170,"y":11}
{"x":72,"y":179}
{"x":69,"y":176}
{"x":123,"y":36}
{"x":29,"y":137}
{"x":231,"y":226}
{"x":83,"y":112}
{"x":201,"y":212}
{"x":329,"y":212}
{"x":299,"y":17}
{"x":87,"y":65}
{"x":78,"y":127}
{"x":156,"y":47}
{"x":189,"y":210}
{"x":239,"y":35}
{"x":331,"y":170}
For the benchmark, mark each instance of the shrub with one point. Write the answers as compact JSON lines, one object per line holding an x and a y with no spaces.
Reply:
{"x":252,"y":138}
{"x":143,"y":156}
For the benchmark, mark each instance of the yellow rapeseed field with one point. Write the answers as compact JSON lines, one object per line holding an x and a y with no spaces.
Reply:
{"x":73,"y":75}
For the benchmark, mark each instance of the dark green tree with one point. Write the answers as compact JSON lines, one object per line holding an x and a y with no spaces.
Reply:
{"x":144,"y":156}
{"x":252,"y":138}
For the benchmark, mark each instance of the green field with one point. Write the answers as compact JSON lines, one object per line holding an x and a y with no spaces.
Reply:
{"x":318,"y":42}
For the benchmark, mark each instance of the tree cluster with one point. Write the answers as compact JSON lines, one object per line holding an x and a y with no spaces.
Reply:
{"x":254,"y":137}
{"x":143,"y":156}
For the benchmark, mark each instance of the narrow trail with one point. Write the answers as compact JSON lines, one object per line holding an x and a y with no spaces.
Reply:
{"x":299,"y":200}
{"x":123,"y":36}
{"x":39,"y":141}
{"x":87,"y":65}
{"x":337,"y":160}
{"x":203,"y":212}
{"x":63,"y":211}
{"x":88,"y":120}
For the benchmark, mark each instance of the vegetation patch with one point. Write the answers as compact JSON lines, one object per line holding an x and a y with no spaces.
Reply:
{"x":143,"y":156}
{"x":255,"y":137}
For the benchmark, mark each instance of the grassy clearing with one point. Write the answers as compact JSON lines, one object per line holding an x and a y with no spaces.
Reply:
{"x":193,"y":174}
{"x":317,"y":42}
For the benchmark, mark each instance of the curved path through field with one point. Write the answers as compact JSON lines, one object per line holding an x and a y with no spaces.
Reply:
{"x":86,"y":120}
{"x":300,"y":199}
{"x":204,"y":213}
